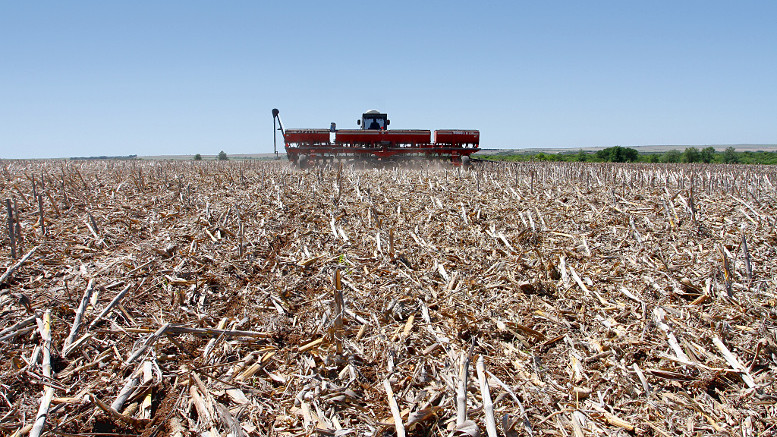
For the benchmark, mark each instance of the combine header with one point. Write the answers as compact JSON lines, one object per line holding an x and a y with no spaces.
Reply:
{"x":374,"y":141}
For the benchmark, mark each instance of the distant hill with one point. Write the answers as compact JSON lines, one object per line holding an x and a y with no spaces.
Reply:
{"x":239,"y":156}
{"x":88,"y":158}
{"x":640,"y":149}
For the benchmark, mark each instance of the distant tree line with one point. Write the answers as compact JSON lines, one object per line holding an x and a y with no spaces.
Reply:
{"x":617,"y":154}
{"x":222,"y":156}
{"x":627,"y":154}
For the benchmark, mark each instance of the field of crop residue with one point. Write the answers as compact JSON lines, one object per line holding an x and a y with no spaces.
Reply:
{"x":253,"y":299}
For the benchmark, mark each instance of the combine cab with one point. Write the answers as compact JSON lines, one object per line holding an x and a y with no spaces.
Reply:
{"x":373,"y":140}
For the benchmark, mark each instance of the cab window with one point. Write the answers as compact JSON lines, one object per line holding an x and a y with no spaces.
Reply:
{"x":374,"y":123}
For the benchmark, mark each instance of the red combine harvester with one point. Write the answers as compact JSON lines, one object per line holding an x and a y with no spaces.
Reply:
{"x":374,"y":141}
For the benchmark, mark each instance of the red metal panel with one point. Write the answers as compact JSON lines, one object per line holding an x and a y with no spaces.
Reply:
{"x":307,"y":136}
{"x":449,"y":136}
{"x":379,"y":150}
{"x":357,"y":136}
{"x":406,"y":136}
{"x":390,"y":137}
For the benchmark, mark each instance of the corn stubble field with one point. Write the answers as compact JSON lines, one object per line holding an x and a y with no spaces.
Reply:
{"x":253,"y":299}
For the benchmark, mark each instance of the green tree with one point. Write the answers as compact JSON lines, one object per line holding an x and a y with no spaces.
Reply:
{"x":654,"y":158}
{"x":707,"y":154}
{"x":691,"y":154}
{"x":730,"y":156}
{"x":198,"y":157}
{"x":630,"y":154}
{"x":222,"y":156}
{"x":618,"y":154}
{"x":672,"y":156}
{"x":581,"y":156}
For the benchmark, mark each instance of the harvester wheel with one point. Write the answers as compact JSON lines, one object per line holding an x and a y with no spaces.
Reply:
{"x":465,"y":162}
{"x":304,"y":162}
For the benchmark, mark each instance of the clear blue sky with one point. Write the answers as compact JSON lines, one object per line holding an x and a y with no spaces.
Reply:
{"x":80,"y":78}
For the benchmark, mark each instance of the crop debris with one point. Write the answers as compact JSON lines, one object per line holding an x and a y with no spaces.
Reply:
{"x":250,"y":298}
